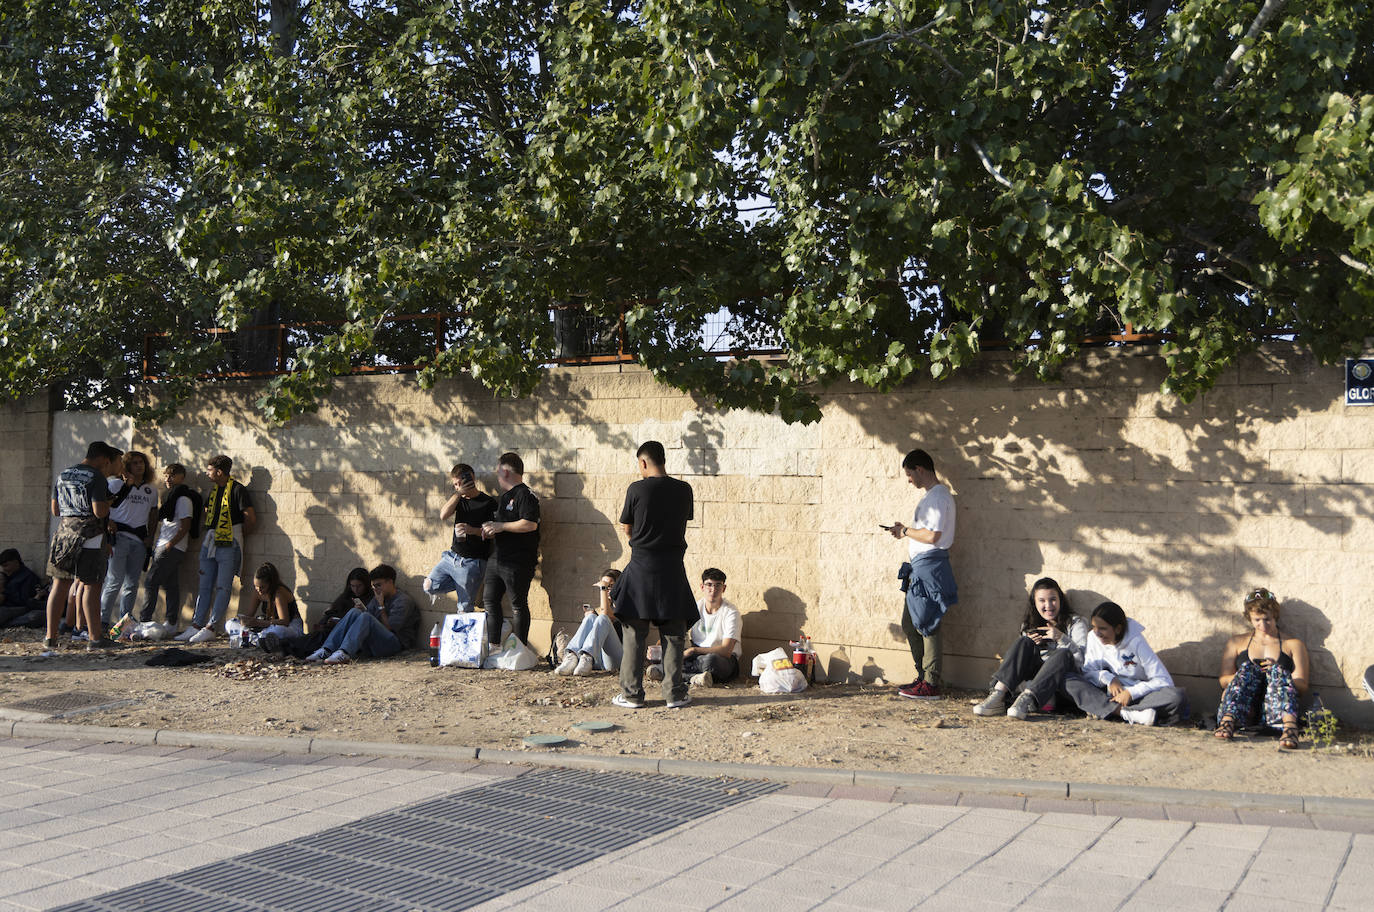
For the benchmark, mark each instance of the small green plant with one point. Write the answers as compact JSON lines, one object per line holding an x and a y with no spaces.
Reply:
{"x":1321,"y":728}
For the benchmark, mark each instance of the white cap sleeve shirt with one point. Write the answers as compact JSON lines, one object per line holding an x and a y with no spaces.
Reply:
{"x":936,"y":512}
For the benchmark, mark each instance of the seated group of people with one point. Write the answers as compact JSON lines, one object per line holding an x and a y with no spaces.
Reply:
{"x":383,"y":625}
{"x":1105,"y":668}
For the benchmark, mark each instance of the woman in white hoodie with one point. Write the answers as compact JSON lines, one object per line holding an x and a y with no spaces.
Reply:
{"x":1122,"y":675}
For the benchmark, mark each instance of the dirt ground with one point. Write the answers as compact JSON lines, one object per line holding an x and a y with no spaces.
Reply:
{"x":838,"y":726}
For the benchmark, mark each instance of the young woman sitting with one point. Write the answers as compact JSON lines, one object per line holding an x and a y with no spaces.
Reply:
{"x":1123,"y":676}
{"x":1263,"y":674}
{"x":1049,"y":649}
{"x":274,"y":614}
{"x":596,"y":645}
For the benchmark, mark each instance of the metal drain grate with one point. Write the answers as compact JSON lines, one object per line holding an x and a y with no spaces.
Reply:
{"x":67,"y":704}
{"x":445,"y":853}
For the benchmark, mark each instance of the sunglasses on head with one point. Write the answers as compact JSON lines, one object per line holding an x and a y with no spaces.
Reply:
{"x":1260,"y":595}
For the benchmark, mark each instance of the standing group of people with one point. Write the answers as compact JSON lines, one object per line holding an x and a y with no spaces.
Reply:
{"x":111,"y":527}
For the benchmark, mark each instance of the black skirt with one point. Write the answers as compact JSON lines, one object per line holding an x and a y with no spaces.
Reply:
{"x":654,"y":587}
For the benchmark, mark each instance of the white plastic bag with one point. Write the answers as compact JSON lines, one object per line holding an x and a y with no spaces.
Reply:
{"x":152,"y":631}
{"x":463,"y":639}
{"x":777,"y":674}
{"x":514,"y":656}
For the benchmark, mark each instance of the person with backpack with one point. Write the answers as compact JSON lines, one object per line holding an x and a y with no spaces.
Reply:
{"x":179,"y":523}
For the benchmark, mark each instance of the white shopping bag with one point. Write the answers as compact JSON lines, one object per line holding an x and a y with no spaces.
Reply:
{"x":514,"y":656}
{"x":777,"y":674}
{"x":463,"y":639}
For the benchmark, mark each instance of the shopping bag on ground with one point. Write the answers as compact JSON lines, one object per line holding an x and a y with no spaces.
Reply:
{"x":463,"y":640}
{"x":777,"y":674}
{"x":514,"y":656}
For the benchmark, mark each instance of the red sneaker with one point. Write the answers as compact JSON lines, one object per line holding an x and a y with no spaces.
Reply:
{"x":919,"y":690}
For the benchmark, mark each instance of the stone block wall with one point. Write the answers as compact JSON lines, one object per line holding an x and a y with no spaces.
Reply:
{"x":1173,"y":510}
{"x":26,"y":485}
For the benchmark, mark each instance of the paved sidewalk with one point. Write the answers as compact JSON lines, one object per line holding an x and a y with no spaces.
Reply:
{"x":101,"y":826}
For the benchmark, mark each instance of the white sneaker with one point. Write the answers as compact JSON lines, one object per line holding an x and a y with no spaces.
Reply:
{"x":186,"y":634}
{"x":678,"y":704}
{"x":204,"y":635}
{"x":994,"y":705}
{"x":319,"y":655}
{"x":655,"y":673}
{"x":1023,"y":707}
{"x":1139,"y":716}
{"x":584,"y":665}
{"x":702,"y":679}
{"x":566,"y":666}
{"x":625,"y":702}
{"x":338,"y":658}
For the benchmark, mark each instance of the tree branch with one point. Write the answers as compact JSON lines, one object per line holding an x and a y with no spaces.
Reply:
{"x":989,"y":166}
{"x":1355,"y":264}
{"x":1267,"y":12}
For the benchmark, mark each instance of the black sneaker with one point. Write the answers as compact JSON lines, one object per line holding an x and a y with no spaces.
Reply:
{"x":270,"y":643}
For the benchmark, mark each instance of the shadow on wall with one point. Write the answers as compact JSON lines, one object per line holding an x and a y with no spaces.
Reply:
{"x":361,"y":481}
{"x":1183,"y":505}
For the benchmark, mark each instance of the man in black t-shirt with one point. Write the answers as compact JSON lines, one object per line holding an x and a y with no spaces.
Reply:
{"x":654,"y":587}
{"x":514,"y":533}
{"x":460,"y":568}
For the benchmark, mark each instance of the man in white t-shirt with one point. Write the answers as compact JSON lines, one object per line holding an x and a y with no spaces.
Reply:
{"x":931,"y":590}
{"x":713,"y":656}
{"x":169,"y":550}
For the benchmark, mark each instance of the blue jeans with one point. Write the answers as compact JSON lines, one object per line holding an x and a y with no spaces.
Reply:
{"x":360,"y":634}
{"x":596,"y":637}
{"x":457,"y":574}
{"x":121,"y":578}
{"x":216,"y":580}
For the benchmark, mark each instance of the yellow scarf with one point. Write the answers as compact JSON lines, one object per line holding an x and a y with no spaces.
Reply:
{"x":224,"y":527}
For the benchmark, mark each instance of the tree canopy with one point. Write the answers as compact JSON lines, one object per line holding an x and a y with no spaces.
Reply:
{"x":882,"y":188}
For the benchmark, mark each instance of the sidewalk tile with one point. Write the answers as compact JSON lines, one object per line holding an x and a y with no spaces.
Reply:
{"x":1299,"y":843}
{"x":1202,"y":814}
{"x":806,"y":790}
{"x":925,"y":796}
{"x":575,"y":898}
{"x":886,"y":895}
{"x":1260,"y":817}
{"x":1333,"y":822}
{"x":1199,"y":874}
{"x":1253,"y":902}
{"x":1259,"y":882}
{"x":863,"y":793}
{"x":976,"y":885}
{"x":1181,"y":897}
{"x":1129,"y":809}
{"x":1003,"y":802}
{"x":1248,"y":838}
{"x":1059,"y":806}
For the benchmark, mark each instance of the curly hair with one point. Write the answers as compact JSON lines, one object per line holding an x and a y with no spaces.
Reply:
{"x":1033,"y":618}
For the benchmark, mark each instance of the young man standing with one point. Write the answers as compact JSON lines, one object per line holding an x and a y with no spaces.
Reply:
{"x":654,"y":588}
{"x":169,"y":550}
{"x":461,"y":567}
{"x":385,"y":627}
{"x":931,"y":590}
{"x":229,"y":517}
{"x":132,"y":505}
{"x":514,"y":531}
{"x":82,"y":500}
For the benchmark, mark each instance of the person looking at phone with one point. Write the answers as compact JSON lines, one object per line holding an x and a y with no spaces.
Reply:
{"x":1050,"y":647}
{"x":596,"y":645}
{"x":1264,"y":674}
{"x":928,"y":579}
{"x":461,"y":567}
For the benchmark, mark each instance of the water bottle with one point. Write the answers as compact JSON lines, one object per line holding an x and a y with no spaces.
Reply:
{"x":434,"y":646}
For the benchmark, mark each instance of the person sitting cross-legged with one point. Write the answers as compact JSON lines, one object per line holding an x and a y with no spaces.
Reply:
{"x":385,"y":627}
{"x":596,"y":645}
{"x":713,"y":657}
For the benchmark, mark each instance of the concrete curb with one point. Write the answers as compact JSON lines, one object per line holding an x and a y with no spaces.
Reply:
{"x":1025,"y":788}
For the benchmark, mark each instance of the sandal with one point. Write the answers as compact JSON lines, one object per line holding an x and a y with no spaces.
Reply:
{"x":1226,"y":729}
{"x":1288,"y":740}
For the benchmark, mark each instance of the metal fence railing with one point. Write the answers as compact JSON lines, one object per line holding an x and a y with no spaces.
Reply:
{"x":579,"y":337}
